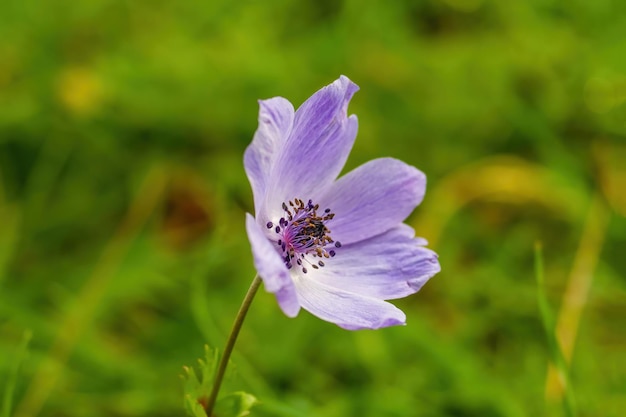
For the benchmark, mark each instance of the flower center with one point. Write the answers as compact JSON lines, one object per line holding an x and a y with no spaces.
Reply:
{"x":302,"y":233}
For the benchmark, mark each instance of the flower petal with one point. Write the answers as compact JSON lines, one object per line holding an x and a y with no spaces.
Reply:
{"x":272,"y":269}
{"x":405,"y":230}
{"x":373,"y":198}
{"x":345,"y":309}
{"x":388,"y":266}
{"x":318,"y":146}
{"x":275,"y":122}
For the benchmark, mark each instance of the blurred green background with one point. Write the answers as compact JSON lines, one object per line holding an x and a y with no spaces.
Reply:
{"x":122,"y":201}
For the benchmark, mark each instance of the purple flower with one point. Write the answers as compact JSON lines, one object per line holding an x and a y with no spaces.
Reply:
{"x":336,"y":247}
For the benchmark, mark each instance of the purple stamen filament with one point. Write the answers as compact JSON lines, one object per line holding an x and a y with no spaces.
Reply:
{"x":303,"y":232}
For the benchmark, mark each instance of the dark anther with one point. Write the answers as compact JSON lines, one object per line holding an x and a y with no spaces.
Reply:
{"x":270,"y":225}
{"x":304,"y":233}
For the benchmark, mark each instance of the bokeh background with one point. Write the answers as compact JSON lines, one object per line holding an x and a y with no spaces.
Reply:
{"x":122,"y":201}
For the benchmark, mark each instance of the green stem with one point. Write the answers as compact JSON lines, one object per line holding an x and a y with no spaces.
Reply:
{"x":230,"y":343}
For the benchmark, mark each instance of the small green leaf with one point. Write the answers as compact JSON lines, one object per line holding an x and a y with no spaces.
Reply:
{"x":237,"y":404}
{"x":197,"y":386}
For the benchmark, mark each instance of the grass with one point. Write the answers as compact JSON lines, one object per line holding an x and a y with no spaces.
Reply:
{"x":554,"y":345}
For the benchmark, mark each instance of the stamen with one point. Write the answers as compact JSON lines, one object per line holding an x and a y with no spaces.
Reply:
{"x":303,"y":232}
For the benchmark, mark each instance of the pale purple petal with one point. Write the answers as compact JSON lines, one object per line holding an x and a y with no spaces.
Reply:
{"x":318,"y":146}
{"x":388,"y":266}
{"x":373,"y":198}
{"x":345,"y":309}
{"x":405,"y":230}
{"x":272,"y":269}
{"x":275,"y":122}
{"x":409,"y":232}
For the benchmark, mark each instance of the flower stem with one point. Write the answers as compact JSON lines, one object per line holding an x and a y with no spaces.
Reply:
{"x":230,"y":344}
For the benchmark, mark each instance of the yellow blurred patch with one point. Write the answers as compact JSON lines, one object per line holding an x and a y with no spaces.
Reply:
{"x":612,"y":170}
{"x":502,"y":178}
{"x":80,"y":90}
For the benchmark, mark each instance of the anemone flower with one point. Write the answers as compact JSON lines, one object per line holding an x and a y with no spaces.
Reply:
{"x":336,"y":247}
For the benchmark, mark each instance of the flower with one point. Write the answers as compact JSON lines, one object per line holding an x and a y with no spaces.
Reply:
{"x":336,"y":247}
